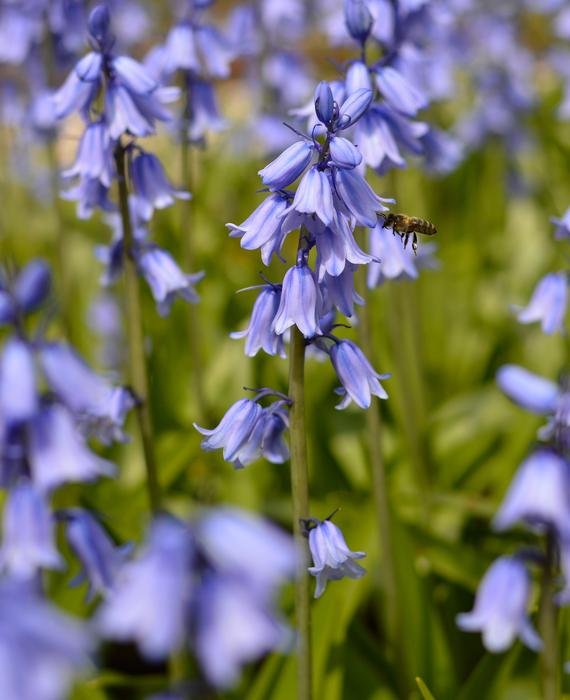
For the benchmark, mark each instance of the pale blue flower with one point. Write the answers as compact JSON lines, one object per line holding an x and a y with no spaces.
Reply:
{"x":100,"y":558}
{"x":287,"y":167}
{"x":300,"y":302}
{"x":501,"y":607}
{"x":539,"y":495}
{"x":18,"y":393}
{"x":58,"y":454}
{"x":358,"y":378}
{"x":548,"y":303}
{"x":259,"y":334}
{"x":28,"y":542}
{"x":150,"y":601}
{"x":332,"y":559}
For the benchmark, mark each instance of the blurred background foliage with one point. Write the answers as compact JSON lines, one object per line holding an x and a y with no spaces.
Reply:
{"x":451,"y":441}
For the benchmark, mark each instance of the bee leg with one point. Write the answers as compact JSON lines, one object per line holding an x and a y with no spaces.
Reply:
{"x":406,"y":238}
{"x":415,"y":244}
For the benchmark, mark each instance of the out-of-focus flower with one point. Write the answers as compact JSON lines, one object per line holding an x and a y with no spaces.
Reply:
{"x":150,"y":601}
{"x":501,"y":607}
{"x":548,"y":303}
{"x":165,"y":279}
{"x":41,"y":649}
{"x":18,"y":394}
{"x":150,"y":185}
{"x":562,"y":230}
{"x":28,"y":538}
{"x":332,"y":559}
{"x":100,"y":558}
{"x":58,"y":454}
{"x":539,"y":495}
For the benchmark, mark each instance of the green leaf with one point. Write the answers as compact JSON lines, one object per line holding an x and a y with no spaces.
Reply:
{"x":424,"y":690}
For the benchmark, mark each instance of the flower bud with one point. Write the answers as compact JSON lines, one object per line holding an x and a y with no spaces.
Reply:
{"x":354,"y":107}
{"x":358,"y":19}
{"x":33,"y":285}
{"x":99,"y":23}
{"x":324,"y":102}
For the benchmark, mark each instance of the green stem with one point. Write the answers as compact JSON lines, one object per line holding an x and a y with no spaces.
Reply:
{"x":192,"y":315}
{"x":135,"y":335}
{"x":392,"y":610}
{"x":548,"y":623}
{"x":300,"y":498}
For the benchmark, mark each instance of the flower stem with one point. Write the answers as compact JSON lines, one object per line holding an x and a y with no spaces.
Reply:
{"x":548,"y":623}
{"x":192,"y":315}
{"x":300,"y":498}
{"x":135,"y":335}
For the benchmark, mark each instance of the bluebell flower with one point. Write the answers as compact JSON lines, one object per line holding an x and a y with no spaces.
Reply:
{"x":398,"y":92}
{"x":314,"y":195}
{"x":357,"y":77}
{"x":441,"y":151}
{"x":90,"y":195}
{"x":273,"y":444}
{"x":300,"y":302}
{"x":42,"y":650}
{"x":237,"y":542}
{"x":529,"y":390}
{"x":165,"y":279}
{"x":501,"y":607}
{"x":548,"y":303}
{"x":263,"y":228}
{"x":100,"y":558}
{"x":332,"y":559}
{"x":358,"y":19}
{"x":58,"y":454}
{"x":215,"y":52}
{"x":233,"y":431}
{"x":179,"y":50}
{"x":150,"y":185}
{"x":204,"y":114}
{"x":354,"y":107}
{"x":150,"y":601}
{"x":287,"y":167}
{"x":94,"y":159}
{"x":358,"y":378}
{"x":18,"y":394}
{"x":324,"y":103}
{"x":32,"y":286}
{"x":133,"y":99}
{"x":28,"y":543}
{"x":259,"y":334}
{"x":336,"y":247}
{"x":359,"y":198}
{"x":344,"y":154}
{"x":562,"y":230}
{"x":96,"y":404}
{"x":339,"y":291}
{"x":539,"y":495}
{"x":233,"y":628}
{"x":248,"y":431}
{"x":392,"y":260}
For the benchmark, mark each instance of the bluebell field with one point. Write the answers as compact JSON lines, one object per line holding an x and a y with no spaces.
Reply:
{"x":284,"y":352}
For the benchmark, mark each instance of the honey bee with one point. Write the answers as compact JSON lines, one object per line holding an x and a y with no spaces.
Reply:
{"x":406,"y":226}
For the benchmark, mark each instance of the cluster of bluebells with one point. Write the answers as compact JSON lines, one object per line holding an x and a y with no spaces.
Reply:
{"x":209,"y":586}
{"x":51,"y":405}
{"x":268,"y":34}
{"x":332,"y":198}
{"x":201,"y":54}
{"x":118,"y":98}
{"x":406,"y":78}
{"x":539,"y":495}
